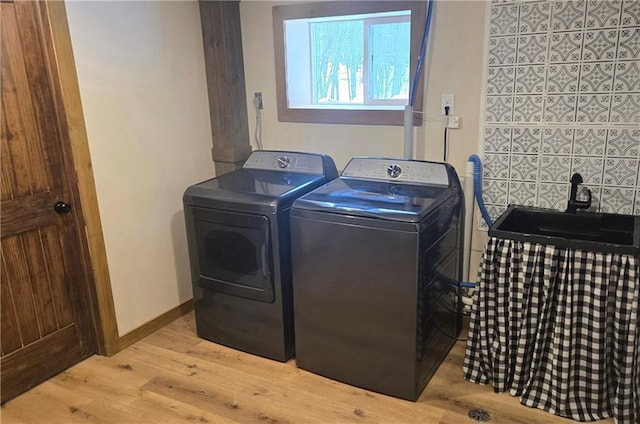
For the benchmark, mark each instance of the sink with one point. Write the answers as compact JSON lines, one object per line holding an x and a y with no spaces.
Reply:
{"x":600,"y":232}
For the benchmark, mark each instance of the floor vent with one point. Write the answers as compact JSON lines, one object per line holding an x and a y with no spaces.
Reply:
{"x":478,"y":414}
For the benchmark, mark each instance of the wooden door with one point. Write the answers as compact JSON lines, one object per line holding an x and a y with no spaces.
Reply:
{"x":45,"y":306}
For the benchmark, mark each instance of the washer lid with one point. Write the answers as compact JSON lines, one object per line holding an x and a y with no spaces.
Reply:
{"x":376,"y":199}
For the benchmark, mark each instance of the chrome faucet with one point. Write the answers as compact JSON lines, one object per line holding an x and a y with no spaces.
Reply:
{"x":574,"y":204}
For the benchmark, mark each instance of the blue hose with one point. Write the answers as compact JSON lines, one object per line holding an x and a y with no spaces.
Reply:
{"x":425,"y":35}
{"x":477,"y":187}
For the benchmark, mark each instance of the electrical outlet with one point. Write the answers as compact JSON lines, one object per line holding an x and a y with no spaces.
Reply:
{"x":447,"y":100}
{"x":453,"y":122}
{"x":257,"y":100}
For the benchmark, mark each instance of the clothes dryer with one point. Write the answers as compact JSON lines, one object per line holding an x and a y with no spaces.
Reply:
{"x":376,"y":256}
{"x":239,"y":249}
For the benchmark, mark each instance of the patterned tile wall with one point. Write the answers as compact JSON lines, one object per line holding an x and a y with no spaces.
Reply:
{"x":562,"y":96}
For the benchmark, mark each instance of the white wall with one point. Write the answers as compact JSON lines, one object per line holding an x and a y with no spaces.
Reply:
{"x":454,"y":64}
{"x":142,"y":83}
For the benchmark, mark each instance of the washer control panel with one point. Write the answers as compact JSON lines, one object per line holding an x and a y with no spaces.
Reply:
{"x":307,"y":163}
{"x":400,"y":170}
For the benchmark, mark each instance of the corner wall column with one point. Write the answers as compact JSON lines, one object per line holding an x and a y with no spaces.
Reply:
{"x":222,"y":39}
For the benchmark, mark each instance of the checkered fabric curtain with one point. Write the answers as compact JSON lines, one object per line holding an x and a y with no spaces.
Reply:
{"x":559,"y":328}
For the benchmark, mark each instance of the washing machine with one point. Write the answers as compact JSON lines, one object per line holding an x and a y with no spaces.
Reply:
{"x":376,"y":260}
{"x":239,"y":249}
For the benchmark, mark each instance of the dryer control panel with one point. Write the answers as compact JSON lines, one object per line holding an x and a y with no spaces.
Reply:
{"x":398,"y":170}
{"x":307,"y":163}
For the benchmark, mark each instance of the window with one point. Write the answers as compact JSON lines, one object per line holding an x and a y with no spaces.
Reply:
{"x":347,"y":62}
{"x":340,"y":73}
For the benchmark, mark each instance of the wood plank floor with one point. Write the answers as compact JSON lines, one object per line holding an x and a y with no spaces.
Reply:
{"x":172,"y":376}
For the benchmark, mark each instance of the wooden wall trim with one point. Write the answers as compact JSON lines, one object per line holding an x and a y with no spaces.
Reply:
{"x":105,"y":317}
{"x":155,"y":324}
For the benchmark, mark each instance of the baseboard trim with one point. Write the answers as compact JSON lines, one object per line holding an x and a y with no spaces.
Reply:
{"x":155,"y":324}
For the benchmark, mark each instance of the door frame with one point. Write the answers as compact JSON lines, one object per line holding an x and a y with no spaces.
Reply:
{"x":61,"y":64}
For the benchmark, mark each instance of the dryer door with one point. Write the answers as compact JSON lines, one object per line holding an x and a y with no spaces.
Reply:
{"x":234,"y":253}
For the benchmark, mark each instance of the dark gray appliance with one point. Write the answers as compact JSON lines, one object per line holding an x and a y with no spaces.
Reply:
{"x":376,"y":256}
{"x":239,"y":249}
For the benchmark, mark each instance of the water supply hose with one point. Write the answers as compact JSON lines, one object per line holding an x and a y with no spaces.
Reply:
{"x":477,"y":188}
{"x":423,"y":48}
{"x":477,"y":193}
{"x":408,"y":110}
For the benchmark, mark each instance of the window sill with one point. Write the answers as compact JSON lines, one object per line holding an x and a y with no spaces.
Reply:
{"x":342,"y":107}
{"x":352,"y":116}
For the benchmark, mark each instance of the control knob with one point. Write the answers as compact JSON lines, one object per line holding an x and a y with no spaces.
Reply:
{"x":394,"y":170}
{"x":283,"y":161}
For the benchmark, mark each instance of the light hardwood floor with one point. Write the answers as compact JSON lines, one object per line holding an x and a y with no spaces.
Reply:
{"x":172,"y":376}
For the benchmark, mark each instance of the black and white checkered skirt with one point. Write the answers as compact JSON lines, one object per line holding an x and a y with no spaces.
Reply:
{"x":559,"y":328}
